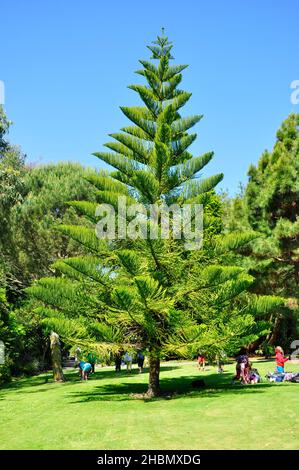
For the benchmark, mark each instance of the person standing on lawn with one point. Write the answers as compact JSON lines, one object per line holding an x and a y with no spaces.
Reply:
{"x":140,"y":361}
{"x":280,"y":359}
{"x":128,"y":361}
{"x":201,"y":361}
{"x":78,"y":354}
{"x":117,"y":361}
{"x":92,"y":359}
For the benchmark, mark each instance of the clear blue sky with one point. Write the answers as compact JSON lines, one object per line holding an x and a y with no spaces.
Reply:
{"x":66,"y":66}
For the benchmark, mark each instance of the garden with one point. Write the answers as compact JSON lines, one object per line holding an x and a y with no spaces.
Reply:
{"x":143,"y":303}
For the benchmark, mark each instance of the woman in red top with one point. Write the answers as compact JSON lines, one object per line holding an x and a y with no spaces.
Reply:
{"x":280,"y":359}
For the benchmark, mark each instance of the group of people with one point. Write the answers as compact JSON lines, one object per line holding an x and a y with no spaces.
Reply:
{"x":201,"y":359}
{"x":280,"y":375}
{"x":127,"y":360}
{"x":246,"y":374}
{"x":85,"y":367}
{"x":88,"y":367}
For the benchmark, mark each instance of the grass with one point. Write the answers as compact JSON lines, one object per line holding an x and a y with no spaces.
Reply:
{"x":102,"y":414}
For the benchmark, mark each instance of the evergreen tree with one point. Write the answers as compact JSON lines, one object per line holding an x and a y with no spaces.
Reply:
{"x":154,"y":293}
{"x":12,"y":190}
{"x":37,"y":243}
{"x":272,"y":200}
{"x":270,"y":205}
{"x":32,"y":200}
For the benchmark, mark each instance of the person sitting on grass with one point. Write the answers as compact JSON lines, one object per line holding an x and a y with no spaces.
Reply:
{"x":253,"y":375}
{"x":280,"y":359}
{"x":242,"y":369}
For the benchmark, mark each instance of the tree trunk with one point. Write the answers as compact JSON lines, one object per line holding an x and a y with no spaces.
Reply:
{"x":43,"y":359}
{"x":154,"y":373}
{"x":56,"y":357}
{"x":272,"y":336}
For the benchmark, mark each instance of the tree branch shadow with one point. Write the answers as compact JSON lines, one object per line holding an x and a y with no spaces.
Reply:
{"x":25,"y":384}
{"x":172,"y":388}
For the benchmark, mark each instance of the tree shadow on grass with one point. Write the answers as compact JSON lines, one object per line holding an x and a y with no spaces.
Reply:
{"x":110,"y":373}
{"x":25,"y":385}
{"x":22,"y":382}
{"x":172,"y":388}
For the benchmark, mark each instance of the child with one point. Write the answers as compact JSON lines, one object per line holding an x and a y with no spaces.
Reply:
{"x":280,"y":360}
{"x":201,"y":361}
{"x":253,"y":375}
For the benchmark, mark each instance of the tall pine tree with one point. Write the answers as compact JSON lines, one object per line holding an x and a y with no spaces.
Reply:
{"x":154,"y":293}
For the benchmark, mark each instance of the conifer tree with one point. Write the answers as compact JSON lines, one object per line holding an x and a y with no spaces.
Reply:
{"x":269,"y":204}
{"x":154,"y":293}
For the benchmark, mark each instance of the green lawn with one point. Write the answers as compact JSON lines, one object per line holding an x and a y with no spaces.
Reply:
{"x":102,"y":414}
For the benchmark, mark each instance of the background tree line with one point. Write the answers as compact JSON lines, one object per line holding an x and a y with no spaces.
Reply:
{"x":33,"y":200}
